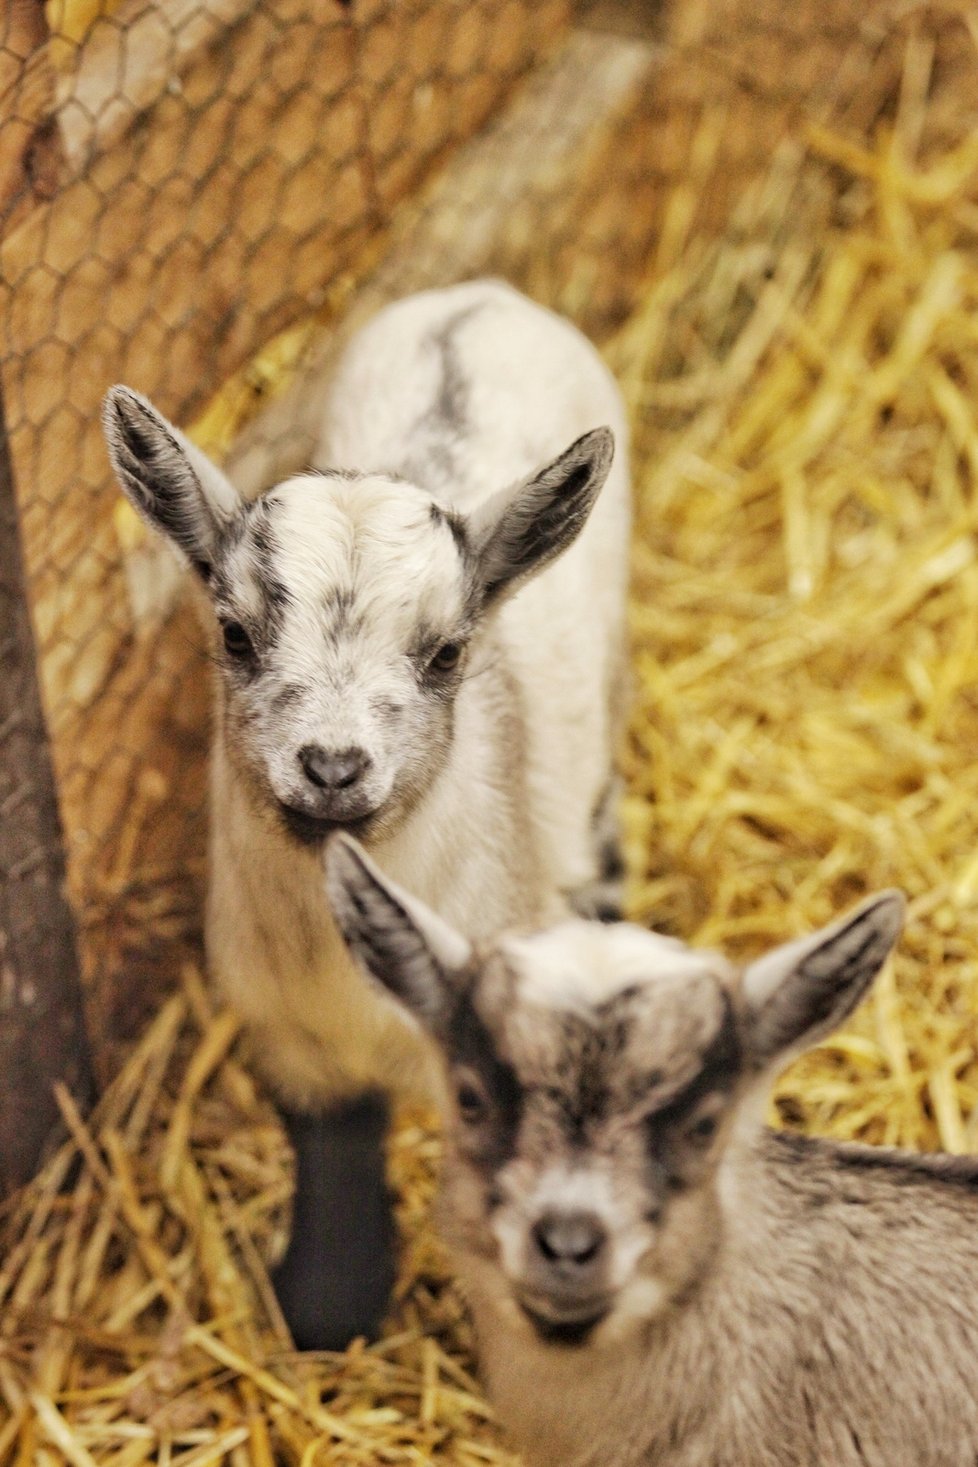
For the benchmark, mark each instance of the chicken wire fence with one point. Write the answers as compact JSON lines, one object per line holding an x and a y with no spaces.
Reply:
{"x":200,"y":198}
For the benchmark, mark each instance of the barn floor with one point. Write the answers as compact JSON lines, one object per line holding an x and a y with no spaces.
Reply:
{"x":802,"y":369}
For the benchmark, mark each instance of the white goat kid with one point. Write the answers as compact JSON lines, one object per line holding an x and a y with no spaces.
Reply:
{"x":657,"y":1279}
{"x":378,"y":674}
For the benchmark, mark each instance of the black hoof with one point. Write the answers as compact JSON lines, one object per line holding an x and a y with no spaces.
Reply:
{"x":335,"y":1280}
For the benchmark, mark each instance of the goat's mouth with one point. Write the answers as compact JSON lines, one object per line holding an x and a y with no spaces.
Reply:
{"x":315,"y":830}
{"x":563,"y":1326}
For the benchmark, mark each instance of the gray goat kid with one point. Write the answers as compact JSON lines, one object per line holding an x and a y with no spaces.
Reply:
{"x":421,"y":641}
{"x":657,"y":1279}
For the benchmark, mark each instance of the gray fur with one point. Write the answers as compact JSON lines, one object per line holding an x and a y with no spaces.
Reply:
{"x":753,"y":1299}
{"x":438,"y":435}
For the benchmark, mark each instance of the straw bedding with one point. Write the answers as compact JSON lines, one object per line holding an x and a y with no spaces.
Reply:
{"x":805,"y":622}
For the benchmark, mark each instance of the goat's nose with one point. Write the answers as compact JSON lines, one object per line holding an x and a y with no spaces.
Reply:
{"x":570,"y":1241}
{"x":333,"y":770}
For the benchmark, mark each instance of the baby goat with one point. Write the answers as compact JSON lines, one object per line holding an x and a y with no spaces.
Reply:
{"x":378,"y":673}
{"x":657,"y":1279}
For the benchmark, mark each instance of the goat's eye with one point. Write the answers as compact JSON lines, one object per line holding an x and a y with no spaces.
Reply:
{"x":704,"y":1126}
{"x":447,"y":658}
{"x":471,"y":1099}
{"x":236,"y":640}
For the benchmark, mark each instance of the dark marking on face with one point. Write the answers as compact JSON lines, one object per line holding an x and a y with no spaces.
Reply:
{"x":287,"y":697}
{"x":253,"y":535}
{"x":469,"y":1044}
{"x":585,"y":1085}
{"x":261,"y":537}
{"x":592,"y":1048}
{"x":671,"y":1144}
{"x":277,"y":597}
{"x":342,"y":617}
{"x":388,"y":710}
{"x":437,"y":676}
{"x":721,"y":1066}
{"x":338,"y":601}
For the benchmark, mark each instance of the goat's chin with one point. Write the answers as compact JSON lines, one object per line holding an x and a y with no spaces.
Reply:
{"x":618,"y":1317}
{"x":315,"y":830}
{"x":376,"y":823}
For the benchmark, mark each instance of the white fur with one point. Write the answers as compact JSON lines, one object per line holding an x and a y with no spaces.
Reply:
{"x":485,"y":849}
{"x":574,"y":965}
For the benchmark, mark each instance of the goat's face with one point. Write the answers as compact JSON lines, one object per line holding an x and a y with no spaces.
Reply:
{"x":346,"y":614}
{"x":348,"y":607}
{"x":596,"y":1072}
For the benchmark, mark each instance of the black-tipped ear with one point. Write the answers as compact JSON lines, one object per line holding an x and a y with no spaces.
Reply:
{"x":800,"y":992}
{"x":167,"y":480}
{"x":518,"y":531}
{"x":401,"y":943}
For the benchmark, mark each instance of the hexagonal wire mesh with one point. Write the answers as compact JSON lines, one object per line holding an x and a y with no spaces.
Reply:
{"x":191,"y":191}
{"x":180,"y":181}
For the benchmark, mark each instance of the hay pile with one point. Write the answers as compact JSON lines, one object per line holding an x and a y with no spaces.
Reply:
{"x":806,"y":625}
{"x":805,"y":606}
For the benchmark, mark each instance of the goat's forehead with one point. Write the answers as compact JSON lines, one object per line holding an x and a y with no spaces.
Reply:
{"x":580,"y":965}
{"x":618,"y":991}
{"x":323,"y":538}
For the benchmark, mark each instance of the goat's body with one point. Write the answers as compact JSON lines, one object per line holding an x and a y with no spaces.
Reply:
{"x":836,"y":1326}
{"x":463,"y":391}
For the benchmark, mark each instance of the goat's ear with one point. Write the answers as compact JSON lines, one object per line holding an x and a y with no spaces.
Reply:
{"x":170,"y":482}
{"x":520,"y":530}
{"x":800,"y":992}
{"x":401,"y":943}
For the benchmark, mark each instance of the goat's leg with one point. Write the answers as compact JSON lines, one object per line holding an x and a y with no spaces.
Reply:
{"x":335,"y":1280}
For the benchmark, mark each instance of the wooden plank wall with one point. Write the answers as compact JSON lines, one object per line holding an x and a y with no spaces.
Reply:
{"x":215,"y":166}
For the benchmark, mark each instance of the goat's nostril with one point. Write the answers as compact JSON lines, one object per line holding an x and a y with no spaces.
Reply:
{"x":569,"y":1238}
{"x":336,"y":770}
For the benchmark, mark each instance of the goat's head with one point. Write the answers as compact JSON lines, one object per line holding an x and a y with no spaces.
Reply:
{"x":596,"y":1073}
{"x":349,"y":607}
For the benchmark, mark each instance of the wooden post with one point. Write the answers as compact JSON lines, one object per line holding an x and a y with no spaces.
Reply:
{"x":42,"y":1036}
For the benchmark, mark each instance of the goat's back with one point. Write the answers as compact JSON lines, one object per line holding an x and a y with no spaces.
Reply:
{"x":465,"y":391}
{"x":842,"y":1324}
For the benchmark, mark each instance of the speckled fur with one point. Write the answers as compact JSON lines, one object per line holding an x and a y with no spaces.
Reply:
{"x":769,"y":1301}
{"x":346,"y":578}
